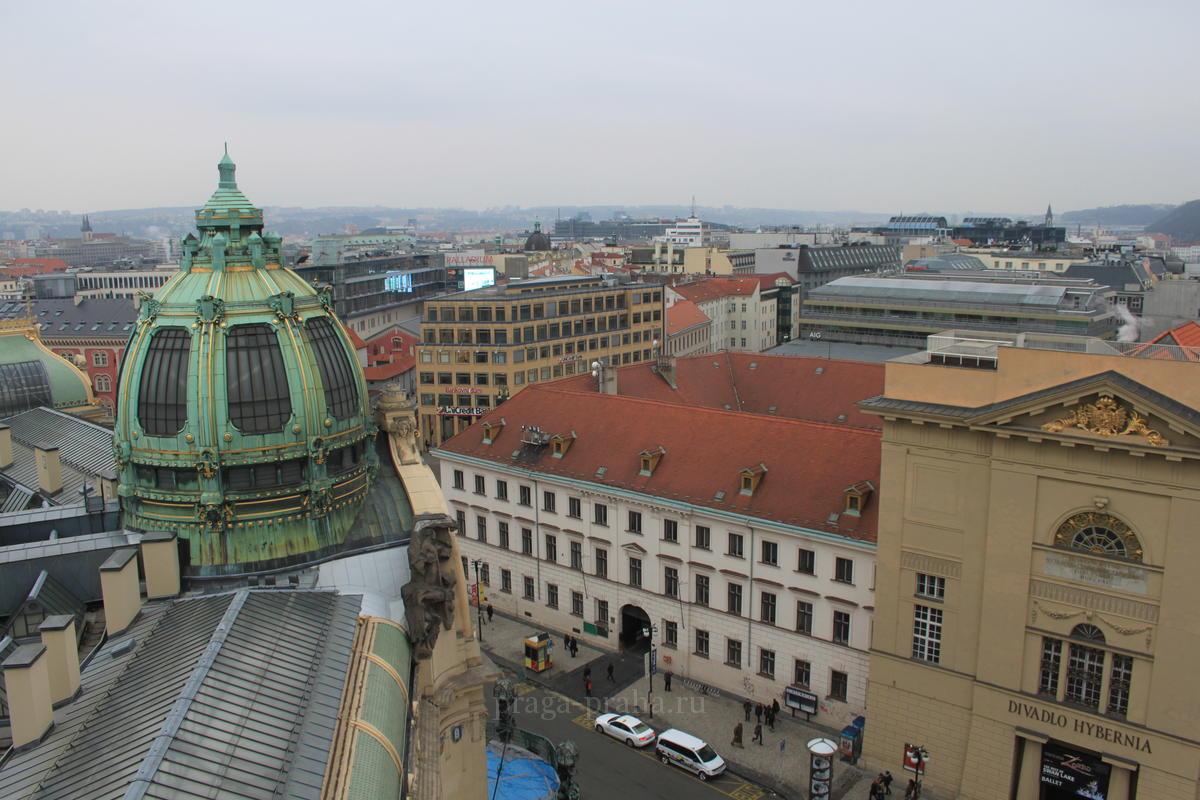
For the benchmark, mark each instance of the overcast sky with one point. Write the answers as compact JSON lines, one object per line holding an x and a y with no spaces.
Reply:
{"x":882,"y":106}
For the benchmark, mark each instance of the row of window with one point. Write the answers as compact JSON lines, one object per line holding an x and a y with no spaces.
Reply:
{"x":273,"y":475}
{"x":538,"y":310}
{"x":1079,"y":678}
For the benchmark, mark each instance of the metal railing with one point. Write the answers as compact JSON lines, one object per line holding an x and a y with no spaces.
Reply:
{"x":540,"y":746}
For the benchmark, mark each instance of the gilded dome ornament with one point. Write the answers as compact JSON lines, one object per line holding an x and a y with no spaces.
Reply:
{"x":1106,"y":417}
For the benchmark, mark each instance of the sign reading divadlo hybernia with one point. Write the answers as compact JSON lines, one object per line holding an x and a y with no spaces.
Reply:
{"x":1070,"y":774}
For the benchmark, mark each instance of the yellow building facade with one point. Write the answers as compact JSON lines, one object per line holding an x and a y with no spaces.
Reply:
{"x":1035,"y":626}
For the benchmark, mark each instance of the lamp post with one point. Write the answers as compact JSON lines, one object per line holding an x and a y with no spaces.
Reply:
{"x":650,"y":632}
{"x":478,"y":599}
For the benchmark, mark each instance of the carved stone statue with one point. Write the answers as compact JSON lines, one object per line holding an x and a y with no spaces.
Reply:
{"x":566,"y":755}
{"x":429,"y":594}
{"x":505,"y":695}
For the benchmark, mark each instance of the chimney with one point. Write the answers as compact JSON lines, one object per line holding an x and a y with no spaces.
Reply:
{"x":27,"y":683}
{"x":49,"y":469}
{"x":119,"y":590}
{"x":62,"y":657}
{"x":6,"y":458}
{"x":160,"y":558}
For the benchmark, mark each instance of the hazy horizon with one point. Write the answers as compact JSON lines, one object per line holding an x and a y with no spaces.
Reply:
{"x":858,"y":107}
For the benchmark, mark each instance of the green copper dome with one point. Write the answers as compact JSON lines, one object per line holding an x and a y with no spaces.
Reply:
{"x":242,"y":414}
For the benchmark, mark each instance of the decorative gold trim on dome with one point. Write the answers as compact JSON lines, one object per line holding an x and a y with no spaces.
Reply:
{"x":1107,"y":418}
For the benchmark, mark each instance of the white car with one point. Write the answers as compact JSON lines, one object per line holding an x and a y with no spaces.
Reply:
{"x":630,"y":730}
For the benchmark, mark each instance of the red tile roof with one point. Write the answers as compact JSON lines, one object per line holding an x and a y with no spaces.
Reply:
{"x":712,"y":288}
{"x":1185,"y":336}
{"x":390,"y":353}
{"x":753,"y":382}
{"x":767,"y":281}
{"x":705,"y":451}
{"x":684,"y":314}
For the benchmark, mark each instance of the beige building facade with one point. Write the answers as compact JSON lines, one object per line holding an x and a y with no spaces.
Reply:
{"x":1035,"y":628}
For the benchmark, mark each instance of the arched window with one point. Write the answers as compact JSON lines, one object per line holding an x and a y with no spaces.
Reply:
{"x":1099,"y":534}
{"x":162,"y":394}
{"x":338,"y":378}
{"x":103,"y":383}
{"x":1088,"y":632}
{"x":256,"y":381}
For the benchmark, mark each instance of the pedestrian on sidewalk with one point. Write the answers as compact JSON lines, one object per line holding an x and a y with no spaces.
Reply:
{"x":667,"y":679}
{"x":758,"y":711}
{"x":587,"y":673}
{"x":746,"y":708}
{"x":913,"y":791}
{"x":887,"y":781}
{"x":770,"y":718}
{"x":610,"y":673}
{"x":587,"y":687}
{"x":490,"y":611}
{"x":758,"y":733}
{"x":737,"y":737}
{"x":574,"y":647}
{"x":775,"y":708}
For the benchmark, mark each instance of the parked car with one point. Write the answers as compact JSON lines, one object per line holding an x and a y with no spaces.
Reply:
{"x":686,"y":751}
{"x":630,"y":730}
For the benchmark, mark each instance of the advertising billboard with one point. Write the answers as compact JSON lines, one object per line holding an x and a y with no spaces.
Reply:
{"x":1069,"y":774}
{"x":475,"y":258}
{"x":398,"y":282}
{"x":477,"y":278}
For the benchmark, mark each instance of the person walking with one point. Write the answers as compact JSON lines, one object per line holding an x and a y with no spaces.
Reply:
{"x":587,"y":673}
{"x":770,"y":713}
{"x":910,"y":793}
{"x":775,"y":708}
{"x":611,"y":679}
{"x":876,"y":790}
{"x":574,"y":646}
{"x":746,"y":708}
{"x":490,"y":612}
{"x":758,"y":712}
{"x":587,"y":686}
{"x":737,"y":737}
{"x":667,"y":679}
{"x":758,"y":733}
{"x":887,"y":781}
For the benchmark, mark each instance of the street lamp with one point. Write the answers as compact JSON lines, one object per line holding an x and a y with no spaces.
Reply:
{"x":478,"y":599}
{"x":650,"y":632}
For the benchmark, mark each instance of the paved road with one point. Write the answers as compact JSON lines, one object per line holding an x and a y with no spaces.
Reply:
{"x":608,"y":768}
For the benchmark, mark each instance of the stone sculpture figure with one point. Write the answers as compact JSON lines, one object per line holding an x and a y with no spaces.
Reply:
{"x":566,"y":754}
{"x":429,"y":594}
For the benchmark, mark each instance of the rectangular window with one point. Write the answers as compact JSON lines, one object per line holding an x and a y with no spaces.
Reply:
{"x":551,"y":547}
{"x":801,"y":673}
{"x":807,"y":562}
{"x":602,"y":612}
{"x":841,"y":627}
{"x":600,"y":514}
{"x":702,"y":643}
{"x":670,"y":633}
{"x":481,"y":528}
{"x":733,"y":653}
{"x":577,"y":603}
{"x":931,"y":586}
{"x":767,"y":607}
{"x":1050,"y":667}
{"x":734,"y":596}
{"x":528,"y":587}
{"x":736,"y":543}
{"x":1118,"y":685}
{"x":804,"y":617}
{"x":485,"y":575}
{"x":1085,"y":673}
{"x":480,"y":485}
{"x":548,"y":501}
{"x":635,"y":522}
{"x":843,"y":570}
{"x":601,"y":563}
{"x":527,"y":541}
{"x":671,"y":530}
{"x":635,"y":572}
{"x":506,"y":581}
{"x":671,"y":581}
{"x":501,"y":490}
{"x":703,"y":537}
{"x":461,"y":518}
{"x":503,"y":526}
{"x":927,"y":634}
{"x":460,"y":480}
{"x":525,"y":496}
{"x":552,"y":595}
{"x":839,"y":685}
{"x":702,"y":590}
{"x":576,"y":555}
{"x":770,"y":553}
{"x":574,"y":508}
{"x":766,"y":662}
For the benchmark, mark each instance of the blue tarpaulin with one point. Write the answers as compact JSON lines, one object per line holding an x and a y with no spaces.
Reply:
{"x":524,"y":777}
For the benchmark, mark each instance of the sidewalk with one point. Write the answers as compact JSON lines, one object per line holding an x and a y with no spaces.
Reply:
{"x":713,"y":719}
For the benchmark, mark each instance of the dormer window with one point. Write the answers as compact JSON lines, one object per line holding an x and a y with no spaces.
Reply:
{"x":492,"y":429}
{"x":750,"y":477}
{"x":560,"y":443}
{"x":856,"y":497}
{"x":649,"y":459}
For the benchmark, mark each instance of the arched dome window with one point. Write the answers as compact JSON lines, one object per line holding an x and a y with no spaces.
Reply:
{"x":259,"y":398}
{"x":1099,"y":534}
{"x":162,"y":395}
{"x":1088,"y":633}
{"x":337,"y":376}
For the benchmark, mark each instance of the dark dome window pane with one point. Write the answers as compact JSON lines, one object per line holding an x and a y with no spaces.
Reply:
{"x":162,"y":396}
{"x":259,"y":398}
{"x":23,"y":386}
{"x":337,"y":376}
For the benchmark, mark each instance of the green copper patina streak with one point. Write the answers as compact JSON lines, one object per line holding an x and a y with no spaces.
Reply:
{"x":231,"y":275}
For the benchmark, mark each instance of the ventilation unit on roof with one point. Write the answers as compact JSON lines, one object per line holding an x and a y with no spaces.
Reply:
{"x":753,"y":365}
{"x":841,"y":417}
{"x":533,"y":435}
{"x":770,"y":409}
{"x":719,"y":496}
{"x":600,"y":471}
{"x":820,"y":370}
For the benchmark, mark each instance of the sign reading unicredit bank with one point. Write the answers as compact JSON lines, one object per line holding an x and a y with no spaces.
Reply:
{"x":1070,"y":774}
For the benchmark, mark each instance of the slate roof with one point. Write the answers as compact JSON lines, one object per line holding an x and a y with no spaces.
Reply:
{"x":705,"y":451}
{"x":795,"y":387}
{"x":92,"y":317}
{"x":1116,"y":276}
{"x":85,"y":450}
{"x":231,"y":696}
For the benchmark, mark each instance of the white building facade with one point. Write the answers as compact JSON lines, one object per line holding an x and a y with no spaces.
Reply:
{"x":747,"y":605}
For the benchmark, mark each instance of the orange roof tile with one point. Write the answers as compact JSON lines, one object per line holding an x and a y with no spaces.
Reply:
{"x":705,"y":452}
{"x":684,"y":314}
{"x":712,"y":288}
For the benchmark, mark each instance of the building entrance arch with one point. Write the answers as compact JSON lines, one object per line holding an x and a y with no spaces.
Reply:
{"x":635,"y":627}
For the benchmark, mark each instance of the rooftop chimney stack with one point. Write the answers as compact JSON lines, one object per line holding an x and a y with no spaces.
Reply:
{"x":119,"y":590}
{"x":27,"y":683}
{"x":62,"y":657}
{"x":49,"y":469}
{"x":6,"y":457}
{"x":160,"y":556}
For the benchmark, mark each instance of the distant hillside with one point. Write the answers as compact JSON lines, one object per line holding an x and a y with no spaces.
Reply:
{"x":1182,"y":224}
{"x":1117,"y":215}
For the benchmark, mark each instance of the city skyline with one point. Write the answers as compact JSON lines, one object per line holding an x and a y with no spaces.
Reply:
{"x":878,"y":109}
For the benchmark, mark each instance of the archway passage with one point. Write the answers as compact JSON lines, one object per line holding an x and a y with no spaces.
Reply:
{"x":635,"y":625}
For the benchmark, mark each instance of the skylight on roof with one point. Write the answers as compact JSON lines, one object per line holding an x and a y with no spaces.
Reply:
{"x":719,"y":496}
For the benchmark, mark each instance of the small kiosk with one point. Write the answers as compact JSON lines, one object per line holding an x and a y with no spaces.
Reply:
{"x":537,"y":652}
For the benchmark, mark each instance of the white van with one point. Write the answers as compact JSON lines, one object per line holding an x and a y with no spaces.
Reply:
{"x":684,"y":750}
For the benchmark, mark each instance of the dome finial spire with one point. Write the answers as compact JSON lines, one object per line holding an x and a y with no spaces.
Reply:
{"x":226,"y":168}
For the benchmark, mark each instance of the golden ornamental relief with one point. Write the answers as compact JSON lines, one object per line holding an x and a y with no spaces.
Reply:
{"x":1106,"y":417}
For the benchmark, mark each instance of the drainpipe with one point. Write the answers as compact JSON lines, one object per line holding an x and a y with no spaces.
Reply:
{"x":750,"y":614}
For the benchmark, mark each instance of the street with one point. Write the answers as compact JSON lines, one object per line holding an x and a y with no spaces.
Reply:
{"x":608,"y":768}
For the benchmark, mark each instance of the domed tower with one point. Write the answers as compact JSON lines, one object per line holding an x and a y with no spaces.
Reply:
{"x":538,"y":241}
{"x":242,"y":414}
